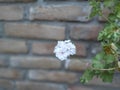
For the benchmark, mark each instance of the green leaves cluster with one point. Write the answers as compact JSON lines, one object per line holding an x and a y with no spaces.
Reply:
{"x":103,"y":66}
{"x":105,"y":63}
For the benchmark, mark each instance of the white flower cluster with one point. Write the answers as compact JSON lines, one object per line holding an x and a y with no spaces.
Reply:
{"x":64,"y":49}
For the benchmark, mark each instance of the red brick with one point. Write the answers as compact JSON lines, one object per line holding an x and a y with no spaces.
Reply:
{"x":35,"y":62}
{"x":78,"y":64}
{"x":11,"y":12}
{"x":81,"y":49}
{"x":65,"y":12}
{"x":17,"y":0}
{"x":10,"y":73}
{"x":12,"y":46}
{"x":43,"y":47}
{"x":79,"y":88}
{"x":37,"y":31}
{"x":56,"y":76}
{"x":38,"y":86}
{"x":85,"y":31}
{"x":92,"y":87}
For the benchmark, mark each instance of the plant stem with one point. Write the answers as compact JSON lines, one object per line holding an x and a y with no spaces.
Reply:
{"x":103,"y":69}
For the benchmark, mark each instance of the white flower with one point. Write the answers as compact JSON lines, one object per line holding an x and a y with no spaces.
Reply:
{"x":64,"y":49}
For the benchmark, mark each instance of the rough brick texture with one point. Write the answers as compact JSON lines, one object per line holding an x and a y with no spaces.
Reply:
{"x":38,"y":86}
{"x":11,"y":12}
{"x":56,"y":76}
{"x":35,"y":62}
{"x":17,"y":0}
{"x":12,"y":46}
{"x":10,"y":73}
{"x":29,"y":31}
{"x":43,"y":47}
{"x":92,"y":88}
{"x":85,"y":32}
{"x":39,"y":31}
{"x":81,"y":49}
{"x":60,"y":12}
{"x":77,"y":65}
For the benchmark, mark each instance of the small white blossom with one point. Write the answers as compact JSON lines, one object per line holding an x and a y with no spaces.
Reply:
{"x":64,"y":49}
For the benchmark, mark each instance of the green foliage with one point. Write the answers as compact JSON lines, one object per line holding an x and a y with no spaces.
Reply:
{"x":107,"y":76}
{"x":95,"y":8}
{"x":88,"y":75}
{"x":105,"y":63}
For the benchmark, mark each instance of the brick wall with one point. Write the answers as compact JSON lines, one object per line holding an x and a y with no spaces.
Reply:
{"x":29,"y":30}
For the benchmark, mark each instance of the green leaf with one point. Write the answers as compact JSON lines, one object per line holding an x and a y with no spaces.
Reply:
{"x":109,"y":58}
{"x":87,"y":76}
{"x":118,"y":14}
{"x":96,"y":10}
{"x":96,"y":62}
{"x":106,"y":76}
{"x":108,"y":3}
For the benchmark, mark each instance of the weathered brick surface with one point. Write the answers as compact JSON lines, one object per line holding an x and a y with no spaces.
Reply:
{"x":79,"y":88}
{"x":81,"y":49}
{"x":6,"y":84}
{"x":39,"y":31}
{"x":11,"y":12}
{"x":43,"y":47}
{"x":60,"y":12}
{"x":116,"y":80}
{"x":38,"y":86}
{"x":85,"y":32}
{"x":17,"y":0}
{"x":11,"y":73}
{"x":78,"y":64}
{"x":92,"y":88}
{"x":35,"y":62}
{"x":3,"y":61}
{"x":56,"y":76}
{"x":12,"y":46}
